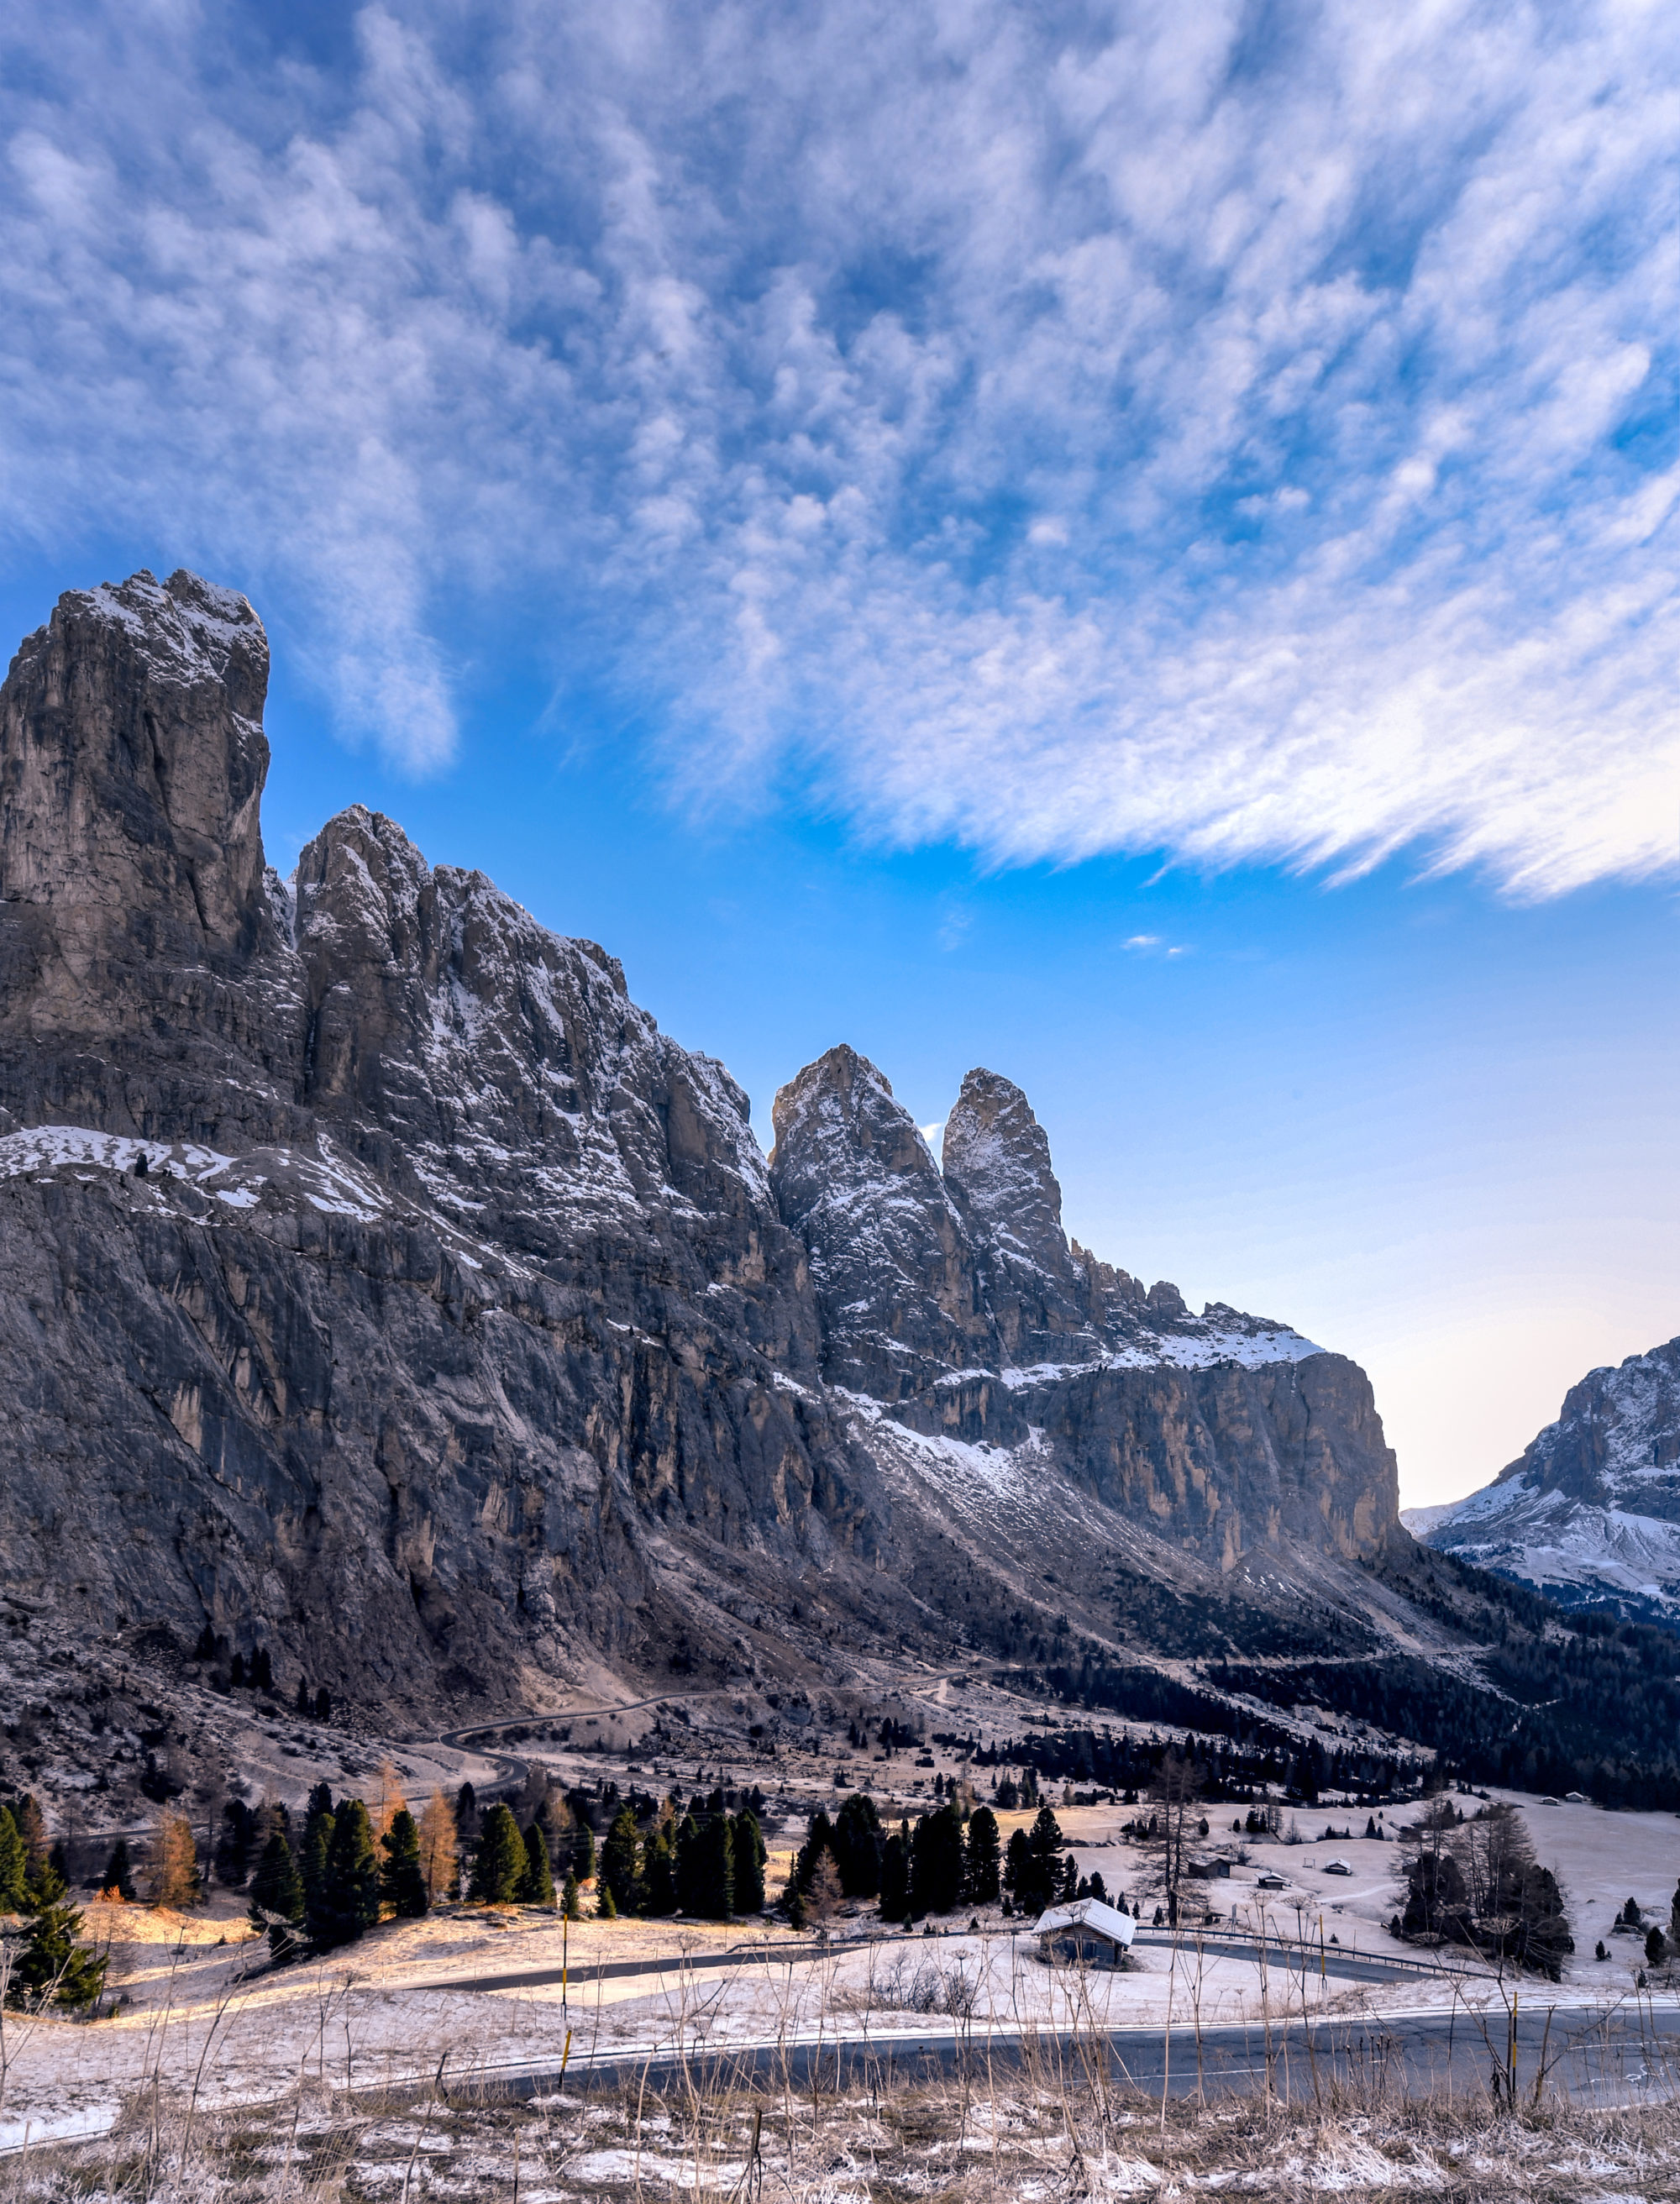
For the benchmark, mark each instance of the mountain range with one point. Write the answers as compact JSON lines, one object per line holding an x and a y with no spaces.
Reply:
{"x":382,"y":1294}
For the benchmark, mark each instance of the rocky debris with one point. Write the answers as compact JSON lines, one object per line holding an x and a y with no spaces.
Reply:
{"x":379,"y":1287}
{"x":1590,"y":1512}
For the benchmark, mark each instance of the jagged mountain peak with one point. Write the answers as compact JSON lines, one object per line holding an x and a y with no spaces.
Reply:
{"x":189,"y":631}
{"x":997,"y":1168}
{"x":892,"y":1266}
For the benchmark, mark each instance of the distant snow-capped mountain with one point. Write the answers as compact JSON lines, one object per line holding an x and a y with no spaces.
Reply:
{"x":1590,"y":1511}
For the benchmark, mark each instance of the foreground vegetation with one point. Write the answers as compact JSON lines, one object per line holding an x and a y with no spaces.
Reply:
{"x":1057,"y":2129}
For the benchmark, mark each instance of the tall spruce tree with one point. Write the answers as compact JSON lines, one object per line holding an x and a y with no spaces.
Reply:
{"x":619,"y":1863}
{"x":749,"y":1853}
{"x":277,"y":1897}
{"x":52,"y":1967}
{"x":345,"y":1904}
{"x":714,"y":1869}
{"x":937,"y":1866}
{"x":13,"y":1865}
{"x":659,"y":1877}
{"x":499,"y":1867}
{"x":582,"y":1849}
{"x":536,"y":1884}
{"x":686,"y":1845}
{"x":819,"y":1839}
{"x":858,"y":1843}
{"x":402,"y":1880}
{"x":233,"y":1850}
{"x":983,"y":1857}
{"x":571,"y":1902}
{"x":317,"y":1836}
{"x":895,"y":1879}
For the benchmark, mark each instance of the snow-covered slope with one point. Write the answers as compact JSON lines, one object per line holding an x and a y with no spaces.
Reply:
{"x":1590,"y":1513}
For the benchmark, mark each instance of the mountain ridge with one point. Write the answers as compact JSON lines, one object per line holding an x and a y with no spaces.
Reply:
{"x":457,"y":1342}
{"x":1590,"y":1512}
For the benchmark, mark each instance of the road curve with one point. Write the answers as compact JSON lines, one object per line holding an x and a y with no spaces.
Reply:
{"x":1582,"y":2049}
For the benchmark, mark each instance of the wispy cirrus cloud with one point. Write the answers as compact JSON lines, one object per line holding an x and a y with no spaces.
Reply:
{"x":1242,"y":432}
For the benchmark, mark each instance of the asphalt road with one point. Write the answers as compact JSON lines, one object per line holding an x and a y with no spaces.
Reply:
{"x":1584,"y":2050}
{"x":1287,"y":1960}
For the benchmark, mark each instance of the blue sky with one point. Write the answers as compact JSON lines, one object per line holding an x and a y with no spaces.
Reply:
{"x":1131,"y":544}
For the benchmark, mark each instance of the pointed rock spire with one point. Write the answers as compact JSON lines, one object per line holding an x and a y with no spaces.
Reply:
{"x":896,"y":1286}
{"x":998,"y":1175}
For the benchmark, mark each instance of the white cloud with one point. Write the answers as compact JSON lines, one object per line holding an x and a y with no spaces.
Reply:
{"x":1063,"y":432}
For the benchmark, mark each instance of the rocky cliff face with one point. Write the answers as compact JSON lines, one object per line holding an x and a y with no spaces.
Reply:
{"x":958,"y":1299}
{"x":377,"y":1284}
{"x":1590,"y":1512}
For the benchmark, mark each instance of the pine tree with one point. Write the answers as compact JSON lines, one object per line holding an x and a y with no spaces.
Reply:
{"x":936,"y":1863}
{"x":714,"y":1869}
{"x":618,"y":1860}
{"x":174,"y":1863}
{"x":346,"y":1903}
{"x":983,"y":1857}
{"x":13,"y":1865}
{"x":402,"y":1882}
{"x":750,"y":1854}
{"x":440,"y":1861}
{"x":536,"y":1884}
{"x":857,"y":1844}
{"x":52,"y":1967}
{"x":232,"y":1851}
{"x":819,"y":1839}
{"x":119,"y":1875}
{"x":303,"y":1701}
{"x":583,"y":1850}
{"x":570,"y":1904}
{"x":604,"y":1908}
{"x":312,"y":1862}
{"x":894,"y":1880}
{"x":659,"y":1877}
{"x":685,"y":1847}
{"x":277,"y":1897}
{"x":262,"y":1669}
{"x":500,"y":1864}
{"x":467,"y":1820}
